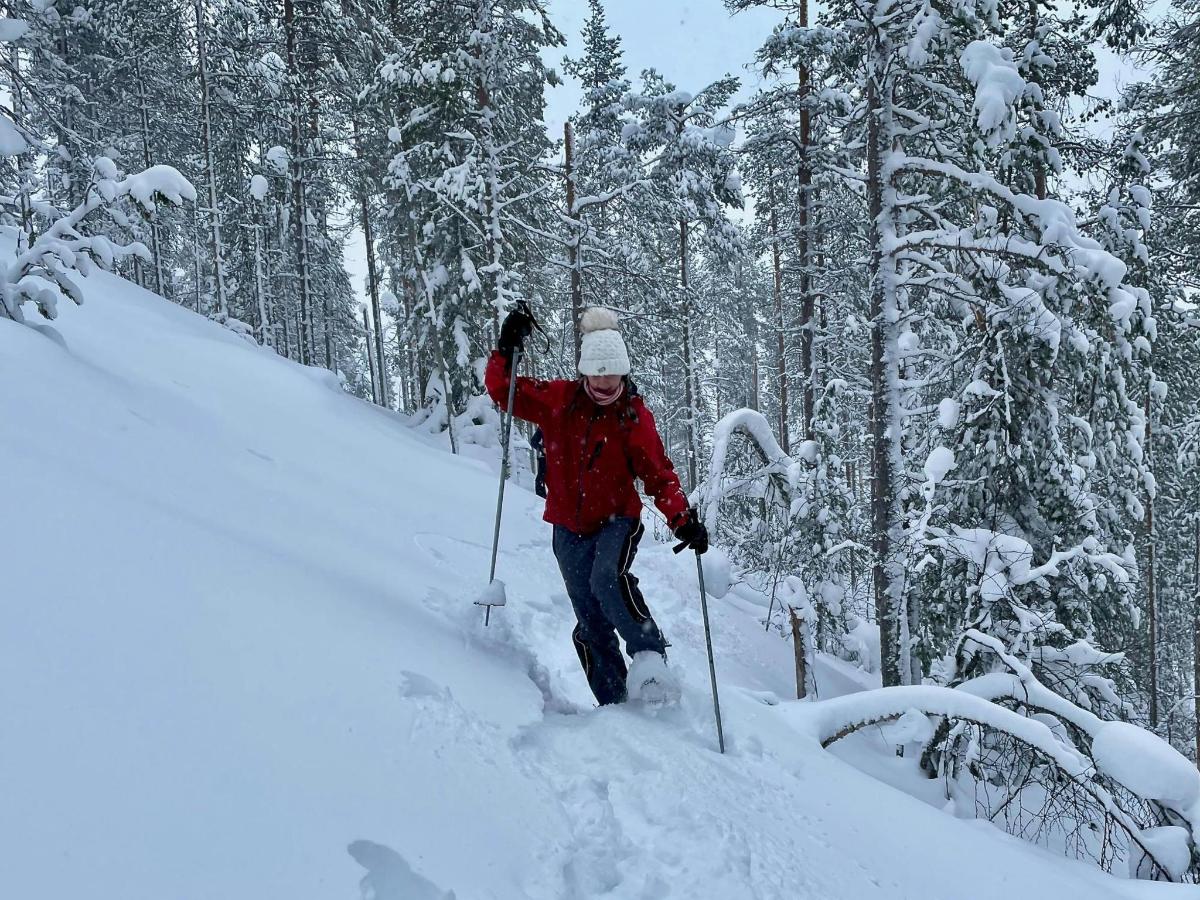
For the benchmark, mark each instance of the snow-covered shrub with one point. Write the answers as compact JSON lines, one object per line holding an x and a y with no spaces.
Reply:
{"x":47,"y":262}
{"x":479,"y":424}
{"x":787,"y":519}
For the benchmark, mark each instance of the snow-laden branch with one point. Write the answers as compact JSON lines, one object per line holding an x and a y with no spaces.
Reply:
{"x":1129,"y":756}
{"x":754,"y":425}
{"x":46,"y":270}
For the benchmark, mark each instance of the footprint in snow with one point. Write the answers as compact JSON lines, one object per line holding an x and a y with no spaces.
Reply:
{"x":416,"y":686}
{"x":390,"y":877}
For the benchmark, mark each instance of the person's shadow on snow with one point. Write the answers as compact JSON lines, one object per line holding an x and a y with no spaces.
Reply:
{"x":390,"y":877}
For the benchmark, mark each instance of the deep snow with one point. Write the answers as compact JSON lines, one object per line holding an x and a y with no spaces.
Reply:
{"x":239,"y":659}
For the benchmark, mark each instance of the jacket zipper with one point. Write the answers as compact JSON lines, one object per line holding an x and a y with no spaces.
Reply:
{"x":595,"y":455}
{"x":587,"y":438}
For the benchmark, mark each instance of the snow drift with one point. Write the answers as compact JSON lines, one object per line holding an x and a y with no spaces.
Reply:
{"x":240,"y":659}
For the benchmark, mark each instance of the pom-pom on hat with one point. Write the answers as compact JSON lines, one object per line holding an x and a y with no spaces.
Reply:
{"x":602,"y":351}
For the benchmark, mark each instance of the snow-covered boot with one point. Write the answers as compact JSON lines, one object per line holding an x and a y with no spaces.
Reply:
{"x":651,"y":680}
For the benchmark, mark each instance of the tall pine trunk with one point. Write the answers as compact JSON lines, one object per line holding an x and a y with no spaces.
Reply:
{"x":297,"y":171}
{"x":260,"y":290}
{"x":206,"y":140}
{"x":364,"y":211}
{"x":574,"y":250}
{"x":781,"y":372}
{"x":160,"y":281}
{"x":689,"y":371}
{"x":196,"y":255}
{"x":807,"y":325}
{"x":883,"y":359}
{"x":375,"y":392}
{"x":1151,"y":596}
{"x":373,"y":290}
{"x":750,"y":327}
{"x":1196,"y":634}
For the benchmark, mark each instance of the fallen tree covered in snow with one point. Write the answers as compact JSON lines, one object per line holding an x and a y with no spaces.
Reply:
{"x":1045,"y":769}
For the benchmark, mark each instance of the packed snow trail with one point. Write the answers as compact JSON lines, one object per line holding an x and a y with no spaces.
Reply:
{"x":239,"y":659}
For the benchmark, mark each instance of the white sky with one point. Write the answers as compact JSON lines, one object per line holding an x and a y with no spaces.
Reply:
{"x":691,"y":42}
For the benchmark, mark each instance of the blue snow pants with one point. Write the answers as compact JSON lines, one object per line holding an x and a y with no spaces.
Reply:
{"x":607,"y":602}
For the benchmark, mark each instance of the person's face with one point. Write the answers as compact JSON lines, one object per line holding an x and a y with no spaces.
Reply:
{"x":603,"y":384}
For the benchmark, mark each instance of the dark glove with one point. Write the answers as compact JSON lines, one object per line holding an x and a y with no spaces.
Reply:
{"x":693,"y":534}
{"x":517,"y":326}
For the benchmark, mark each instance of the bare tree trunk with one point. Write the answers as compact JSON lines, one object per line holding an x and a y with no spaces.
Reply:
{"x":26,"y":176}
{"x":373,"y":289}
{"x":371,"y":356}
{"x":196,"y":254}
{"x":285,"y":296}
{"x":406,"y":403}
{"x":260,"y":292}
{"x":780,"y":350}
{"x":798,"y":651}
{"x":717,"y":371}
{"x":882,"y":500}
{"x":807,"y":326}
{"x":404,"y":353}
{"x":206,"y":140}
{"x":1151,"y":598}
{"x":1196,"y":635}
{"x":440,"y":353}
{"x":160,"y":281}
{"x":750,"y":326}
{"x":299,"y":201}
{"x":574,"y":250}
{"x":287,"y":338}
{"x":494,"y":274}
{"x":1039,"y":167}
{"x":364,"y":205}
{"x":689,"y":372}
{"x":852,"y":485}
{"x":410,"y":308}
{"x":66,"y":133}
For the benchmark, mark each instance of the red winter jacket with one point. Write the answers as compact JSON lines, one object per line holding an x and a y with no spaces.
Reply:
{"x":593,"y":452}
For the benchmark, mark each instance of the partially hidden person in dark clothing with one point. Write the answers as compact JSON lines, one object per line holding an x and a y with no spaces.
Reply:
{"x":537,"y":443}
{"x":599,"y":438}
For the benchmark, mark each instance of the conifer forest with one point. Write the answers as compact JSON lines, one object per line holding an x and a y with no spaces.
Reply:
{"x":917,"y":306}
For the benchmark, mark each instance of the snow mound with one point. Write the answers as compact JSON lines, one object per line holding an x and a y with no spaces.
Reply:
{"x":938,"y":464}
{"x":12,"y":141}
{"x":1170,"y":848}
{"x":1146,"y":764}
{"x":718,"y":572}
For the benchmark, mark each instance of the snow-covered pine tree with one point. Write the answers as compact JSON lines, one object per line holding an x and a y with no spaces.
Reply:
{"x":967,"y":273}
{"x":469,"y":100}
{"x":694,"y":182}
{"x":1164,"y":110}
{"x":603,"y":178}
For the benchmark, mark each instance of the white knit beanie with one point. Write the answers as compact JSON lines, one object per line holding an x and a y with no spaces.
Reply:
{"x":602,"y":350}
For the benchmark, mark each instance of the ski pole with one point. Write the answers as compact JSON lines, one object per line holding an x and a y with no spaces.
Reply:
{"x":512,"y":393}
{"x":712,"y":669}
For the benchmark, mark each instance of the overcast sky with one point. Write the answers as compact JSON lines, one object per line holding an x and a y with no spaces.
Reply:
{"x":691,"y":42}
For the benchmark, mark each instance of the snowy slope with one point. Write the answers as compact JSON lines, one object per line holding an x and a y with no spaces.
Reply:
{"x":239,"y":660}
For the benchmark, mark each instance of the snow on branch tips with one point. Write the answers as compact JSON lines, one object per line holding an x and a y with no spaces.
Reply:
{"x":44,"y":268}
{"x":998,"y":86}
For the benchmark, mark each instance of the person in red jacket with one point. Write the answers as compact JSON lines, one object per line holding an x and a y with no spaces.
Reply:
{"x":599,"y":438}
